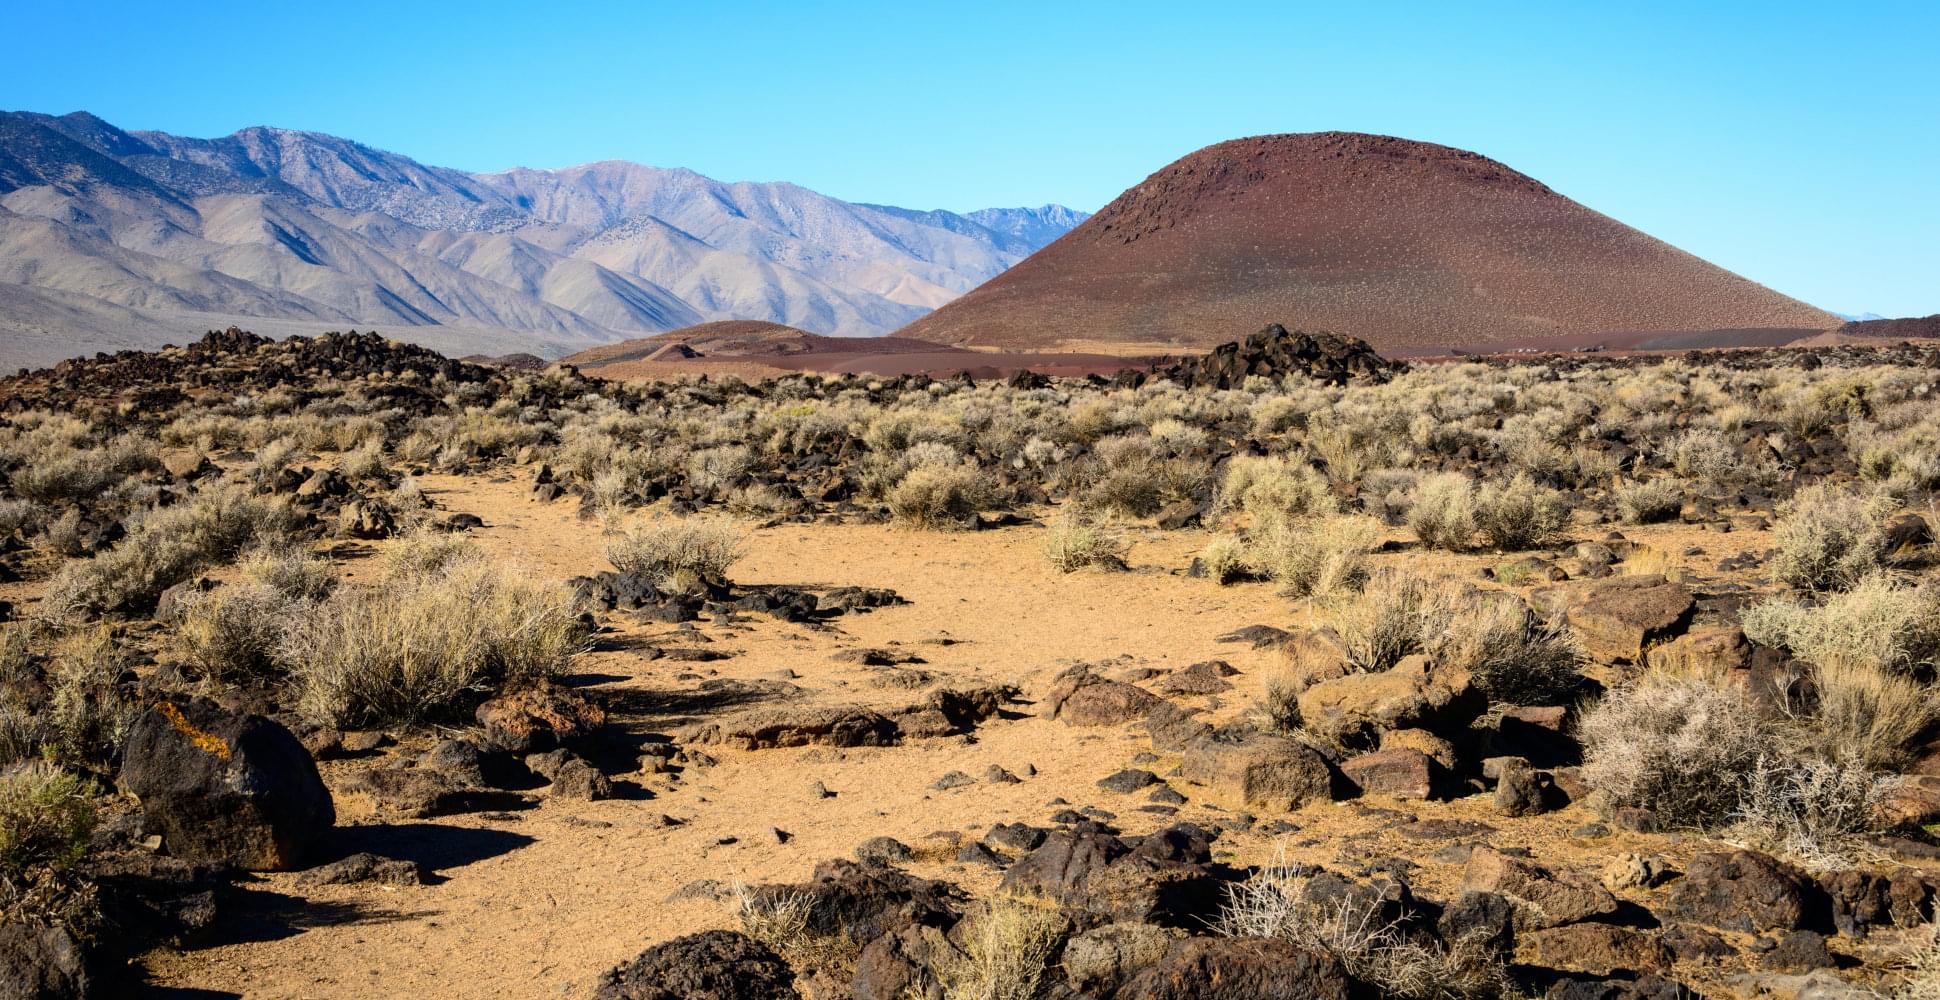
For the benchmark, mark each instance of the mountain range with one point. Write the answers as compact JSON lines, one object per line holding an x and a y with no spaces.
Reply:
{"x":1414,"y":247}
{"x":112,"y":239}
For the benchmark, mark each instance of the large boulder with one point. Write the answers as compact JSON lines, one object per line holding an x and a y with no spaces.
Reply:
{"x":1081,"y":698}
{"x":1742,"y":891}
{"x":1240,"y":969}
{"x":537,"y":716}
{"x":1166,"y":877}
{"x":1398,"y":772}
{"x":1600,"y":949}
{"x":1541,"y":898}
{"x":712,"y":965}
{"x":1258,"y":769}
{"x":43,"y":963}
{"x":1417,"y":693}
{"x":225,"y":786}
{"x":1617,"y":619}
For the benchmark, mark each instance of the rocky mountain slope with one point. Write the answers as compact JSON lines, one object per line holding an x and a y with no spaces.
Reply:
{"x":1404,"y":244}
{"x":112,"y":239}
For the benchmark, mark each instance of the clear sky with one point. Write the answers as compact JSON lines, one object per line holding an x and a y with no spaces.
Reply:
{"x":1795,"y":143}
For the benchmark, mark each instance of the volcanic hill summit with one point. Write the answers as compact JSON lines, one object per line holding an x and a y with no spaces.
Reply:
{"x":1408,"y":245}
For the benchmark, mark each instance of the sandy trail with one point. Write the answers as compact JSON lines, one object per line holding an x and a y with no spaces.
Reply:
{"x":539,"y":904}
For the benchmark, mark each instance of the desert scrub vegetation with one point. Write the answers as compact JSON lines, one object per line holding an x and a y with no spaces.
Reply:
{"x":940,"y":497}
{"x":46,"y":817}
{"x":1351,"y":924}
{"x":1515,"y":656}
{"x":1829,"y":537}
{"x":166,"y":546}
{"x":1700,"y":752}
{"x":427,"y":641}
{"x":1007,"y":951}
{"x":679,"y":556}
{"x":1649,"y":501}
{"x":1081,"y":538}
{"x":1677,"y":744}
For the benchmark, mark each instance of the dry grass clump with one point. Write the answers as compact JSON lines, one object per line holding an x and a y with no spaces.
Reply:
{"x":1867,"y":716}
{"x":1679,"y":745}
{"x":1921,"y":980}
{"x":679,"y":556}
{"x":418,"y":646}
{"x":88,"y":715}
{"x":232,"y":634}
{"x":1650,"y":501}
{"x":1274,"y":487}
{"x":46,"y":817}
{"x":1519,"y":514}
{"x":940,"y":497}
{"x":1813,"y":811}
{"x":1442,"y":512}
{"x":1277,"y":903}
{"x":1007,"y":951}
{"x":1322,"y":558}
{"x":1079,"y":539}
{"x":1829,"y":538}
{"x":1226,"y":560}
{"x":164,"y":547}
{"x":1515,"y":656}
{"x":786,"y":923}
{"x":1880,"y":622}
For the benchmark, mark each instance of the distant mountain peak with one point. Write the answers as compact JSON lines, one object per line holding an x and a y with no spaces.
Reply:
{"x":137,"y":238}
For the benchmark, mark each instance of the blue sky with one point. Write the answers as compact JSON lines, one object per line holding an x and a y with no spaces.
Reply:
{"x":1798,"y":144}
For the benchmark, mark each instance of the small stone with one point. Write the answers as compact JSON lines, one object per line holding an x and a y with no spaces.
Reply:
{"x":955,"y":779}
{"x":1128,"y":781}
{"x":1166,"y":795}
{"x":996,"y":775}
{"x":882,"y":850}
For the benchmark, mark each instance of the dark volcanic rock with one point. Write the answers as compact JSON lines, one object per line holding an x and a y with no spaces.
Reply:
{"x":712,"y":965}
{"x":1239,"y":969}
{"x":1274,"y":353}
{"x":223,"y":786}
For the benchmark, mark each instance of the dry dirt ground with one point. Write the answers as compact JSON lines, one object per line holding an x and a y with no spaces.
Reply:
{"x":537,"y":903}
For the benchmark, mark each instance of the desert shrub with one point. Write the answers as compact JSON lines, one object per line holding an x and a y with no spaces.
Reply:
{"x":1277,"y":903}
{"x":786,"y":923}
{"x":270,"y":461}
{"x":1323,"y":558}
{"x":1879,"y":621}
{"x":23,"y":517}
{"x":417,"y":646}
{"x":232,"y":634}
{"x":88,"y":714}
{"x":715,"y":469}
{"x":1867,"y":716}
{"x":1225,"y":560}
{"x":1515,"y":656}
{"x":164,"y":547}
{"x":940,"y":497}
{"x":1680,"y":745}
{"x":425,"y":553}
{"x":1280,"y":687}
{"x":1921,"y":980}
{"x":679,"y":556}
{"x":1828,"y":538}
{"x":1079,"y":540}
{"x":1705,"y":455}
{"x":46,"y":817}
{"x":296,"y":574}
{"x":1519,"y":514}
{"x":1649,"y":501}
{"x":1389,"y":620}
{"x":1274,"y":487}
{"x":1007,"y":951}
{"x":1809,"y":810}
{"x":757,"y":500}
{"x":1442,"y":512}
{"x":366,"y":461}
